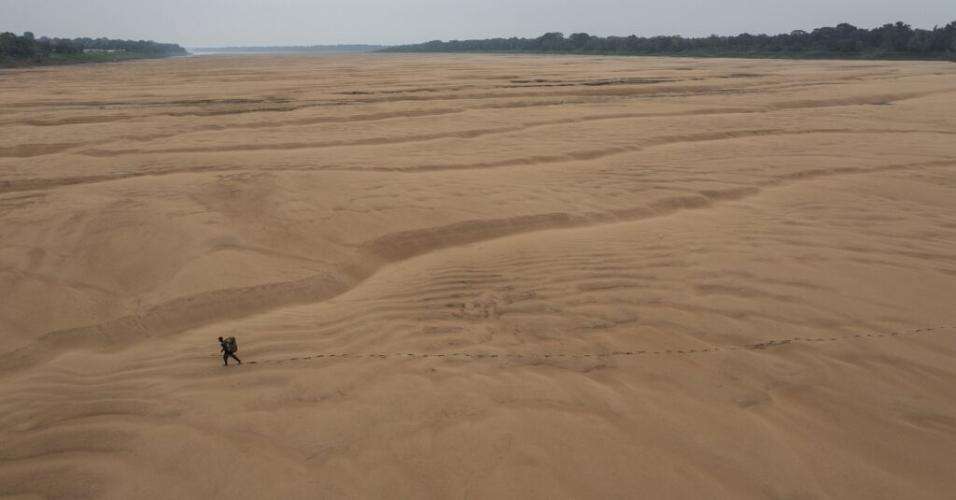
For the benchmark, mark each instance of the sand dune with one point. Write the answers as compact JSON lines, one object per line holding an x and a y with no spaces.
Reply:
{"x":478,"y":277}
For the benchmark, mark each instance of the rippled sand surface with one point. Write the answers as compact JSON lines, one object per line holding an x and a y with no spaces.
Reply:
{"x":478,"y":277}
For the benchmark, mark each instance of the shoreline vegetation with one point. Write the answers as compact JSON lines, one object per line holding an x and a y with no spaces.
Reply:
{"x":844,"y":41}
{"x":27,"y":50}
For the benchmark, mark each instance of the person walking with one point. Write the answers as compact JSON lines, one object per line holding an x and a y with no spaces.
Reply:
{"x":229,"y":350}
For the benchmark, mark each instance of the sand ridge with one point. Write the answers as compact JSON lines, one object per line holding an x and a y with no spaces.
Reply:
{"x":478,"y":276}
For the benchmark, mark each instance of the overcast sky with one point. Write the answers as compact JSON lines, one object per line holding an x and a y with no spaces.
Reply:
{"x":304,"y":22}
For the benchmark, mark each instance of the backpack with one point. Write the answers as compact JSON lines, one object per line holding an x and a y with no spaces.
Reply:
{"x":230,"y":345}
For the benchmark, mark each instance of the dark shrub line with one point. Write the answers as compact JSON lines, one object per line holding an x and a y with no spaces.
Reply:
{"x":27,"y":49}
{"x":898,"y":40}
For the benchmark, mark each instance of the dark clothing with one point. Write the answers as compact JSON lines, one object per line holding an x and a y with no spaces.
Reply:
{"x":227,"y":353}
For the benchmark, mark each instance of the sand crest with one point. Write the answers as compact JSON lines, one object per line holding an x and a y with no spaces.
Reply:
{"x":478,"y":277}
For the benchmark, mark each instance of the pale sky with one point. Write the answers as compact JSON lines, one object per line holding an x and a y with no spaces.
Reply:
{"x":195,"y":23}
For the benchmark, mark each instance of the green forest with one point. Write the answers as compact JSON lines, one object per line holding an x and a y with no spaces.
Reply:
{"x":28,"y":50}
{"x":891,"y":41}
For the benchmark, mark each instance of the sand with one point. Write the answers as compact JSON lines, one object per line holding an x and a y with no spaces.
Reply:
{"x":478,"y":277}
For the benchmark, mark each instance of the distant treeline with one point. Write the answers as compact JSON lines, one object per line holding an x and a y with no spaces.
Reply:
{"x":898,"y":40}
{"x":295,"y":49}
{"x":28,"y":49}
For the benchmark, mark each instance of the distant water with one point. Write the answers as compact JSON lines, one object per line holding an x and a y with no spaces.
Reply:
{"x":320,"y":49}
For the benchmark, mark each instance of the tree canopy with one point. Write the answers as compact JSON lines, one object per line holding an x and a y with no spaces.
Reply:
{"x":27,"y":48}
{"x":895,"y":40}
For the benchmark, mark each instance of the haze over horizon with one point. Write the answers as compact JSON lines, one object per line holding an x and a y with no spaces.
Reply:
{"x":211,"y":23}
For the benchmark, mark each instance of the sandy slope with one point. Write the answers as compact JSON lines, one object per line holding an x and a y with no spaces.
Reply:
{"x":479,"y":277}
